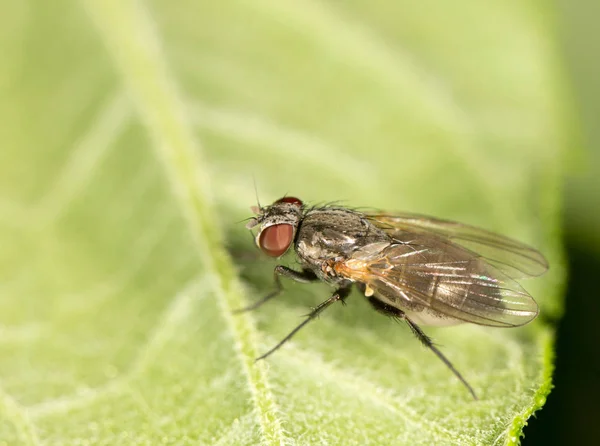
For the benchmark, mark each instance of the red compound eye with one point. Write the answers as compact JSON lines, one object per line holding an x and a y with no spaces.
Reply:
{"x":292,"y":200}
{"x":275,"y":240}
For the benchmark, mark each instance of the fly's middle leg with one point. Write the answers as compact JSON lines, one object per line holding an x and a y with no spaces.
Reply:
{"x":304,"y":276}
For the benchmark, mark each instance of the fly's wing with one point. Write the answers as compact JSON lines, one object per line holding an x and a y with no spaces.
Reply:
{"x":515,"y":259}
{"x":423,"y":273}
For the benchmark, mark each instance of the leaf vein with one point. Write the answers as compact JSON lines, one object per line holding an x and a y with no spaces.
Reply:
{"x":170,"y":320}
{"x":361,"y":386}
{"x":133,"y":43}
{"x":85,"y":158}
{"x":354,"y":43}
{"x":285,"y":143}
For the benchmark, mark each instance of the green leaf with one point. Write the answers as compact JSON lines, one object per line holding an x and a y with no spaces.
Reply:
{"x":130,"y":136}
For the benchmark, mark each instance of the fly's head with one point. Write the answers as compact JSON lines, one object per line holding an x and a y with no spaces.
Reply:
{"x":277,"y":225}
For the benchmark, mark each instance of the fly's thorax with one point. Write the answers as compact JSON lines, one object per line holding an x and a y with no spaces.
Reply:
{"x":333,"y":233}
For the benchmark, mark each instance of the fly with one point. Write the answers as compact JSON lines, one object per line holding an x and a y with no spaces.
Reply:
{"x":415,"y":268}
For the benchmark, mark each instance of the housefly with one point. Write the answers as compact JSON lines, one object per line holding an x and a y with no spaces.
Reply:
{"x":415,"y":268}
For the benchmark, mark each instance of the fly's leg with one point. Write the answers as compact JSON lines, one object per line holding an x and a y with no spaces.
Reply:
{"x":421,"y":336}
{"x":339,"y":294}
{"x":304,"y":276}
{"x":427,"y":342}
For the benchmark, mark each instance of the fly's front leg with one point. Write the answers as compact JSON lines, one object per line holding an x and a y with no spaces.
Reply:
{"x":304,"y":276}
{"x":340,"y":294}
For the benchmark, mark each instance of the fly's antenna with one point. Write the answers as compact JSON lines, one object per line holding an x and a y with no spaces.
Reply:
{"x":256,"y":192}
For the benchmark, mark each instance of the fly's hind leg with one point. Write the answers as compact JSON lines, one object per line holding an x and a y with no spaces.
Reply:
{"x":389,"y":310}
{"x":304,"y":276}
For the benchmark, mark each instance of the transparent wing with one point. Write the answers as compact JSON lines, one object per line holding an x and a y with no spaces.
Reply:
{"x":510,"y":256}
{"x":418,"y":273}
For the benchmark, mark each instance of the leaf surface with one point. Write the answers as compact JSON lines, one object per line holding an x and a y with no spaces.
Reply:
{"x":131,"y":133}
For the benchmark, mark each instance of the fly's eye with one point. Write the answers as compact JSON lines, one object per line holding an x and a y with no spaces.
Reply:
{"x":275,"y":240}
{"x":292,"y":200}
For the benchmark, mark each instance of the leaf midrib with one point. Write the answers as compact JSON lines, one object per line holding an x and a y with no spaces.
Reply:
{"x":134,"y":46}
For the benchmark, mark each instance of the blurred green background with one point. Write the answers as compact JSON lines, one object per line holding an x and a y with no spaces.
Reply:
{"x":130,"y":134}
{"x":572,"y":410}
